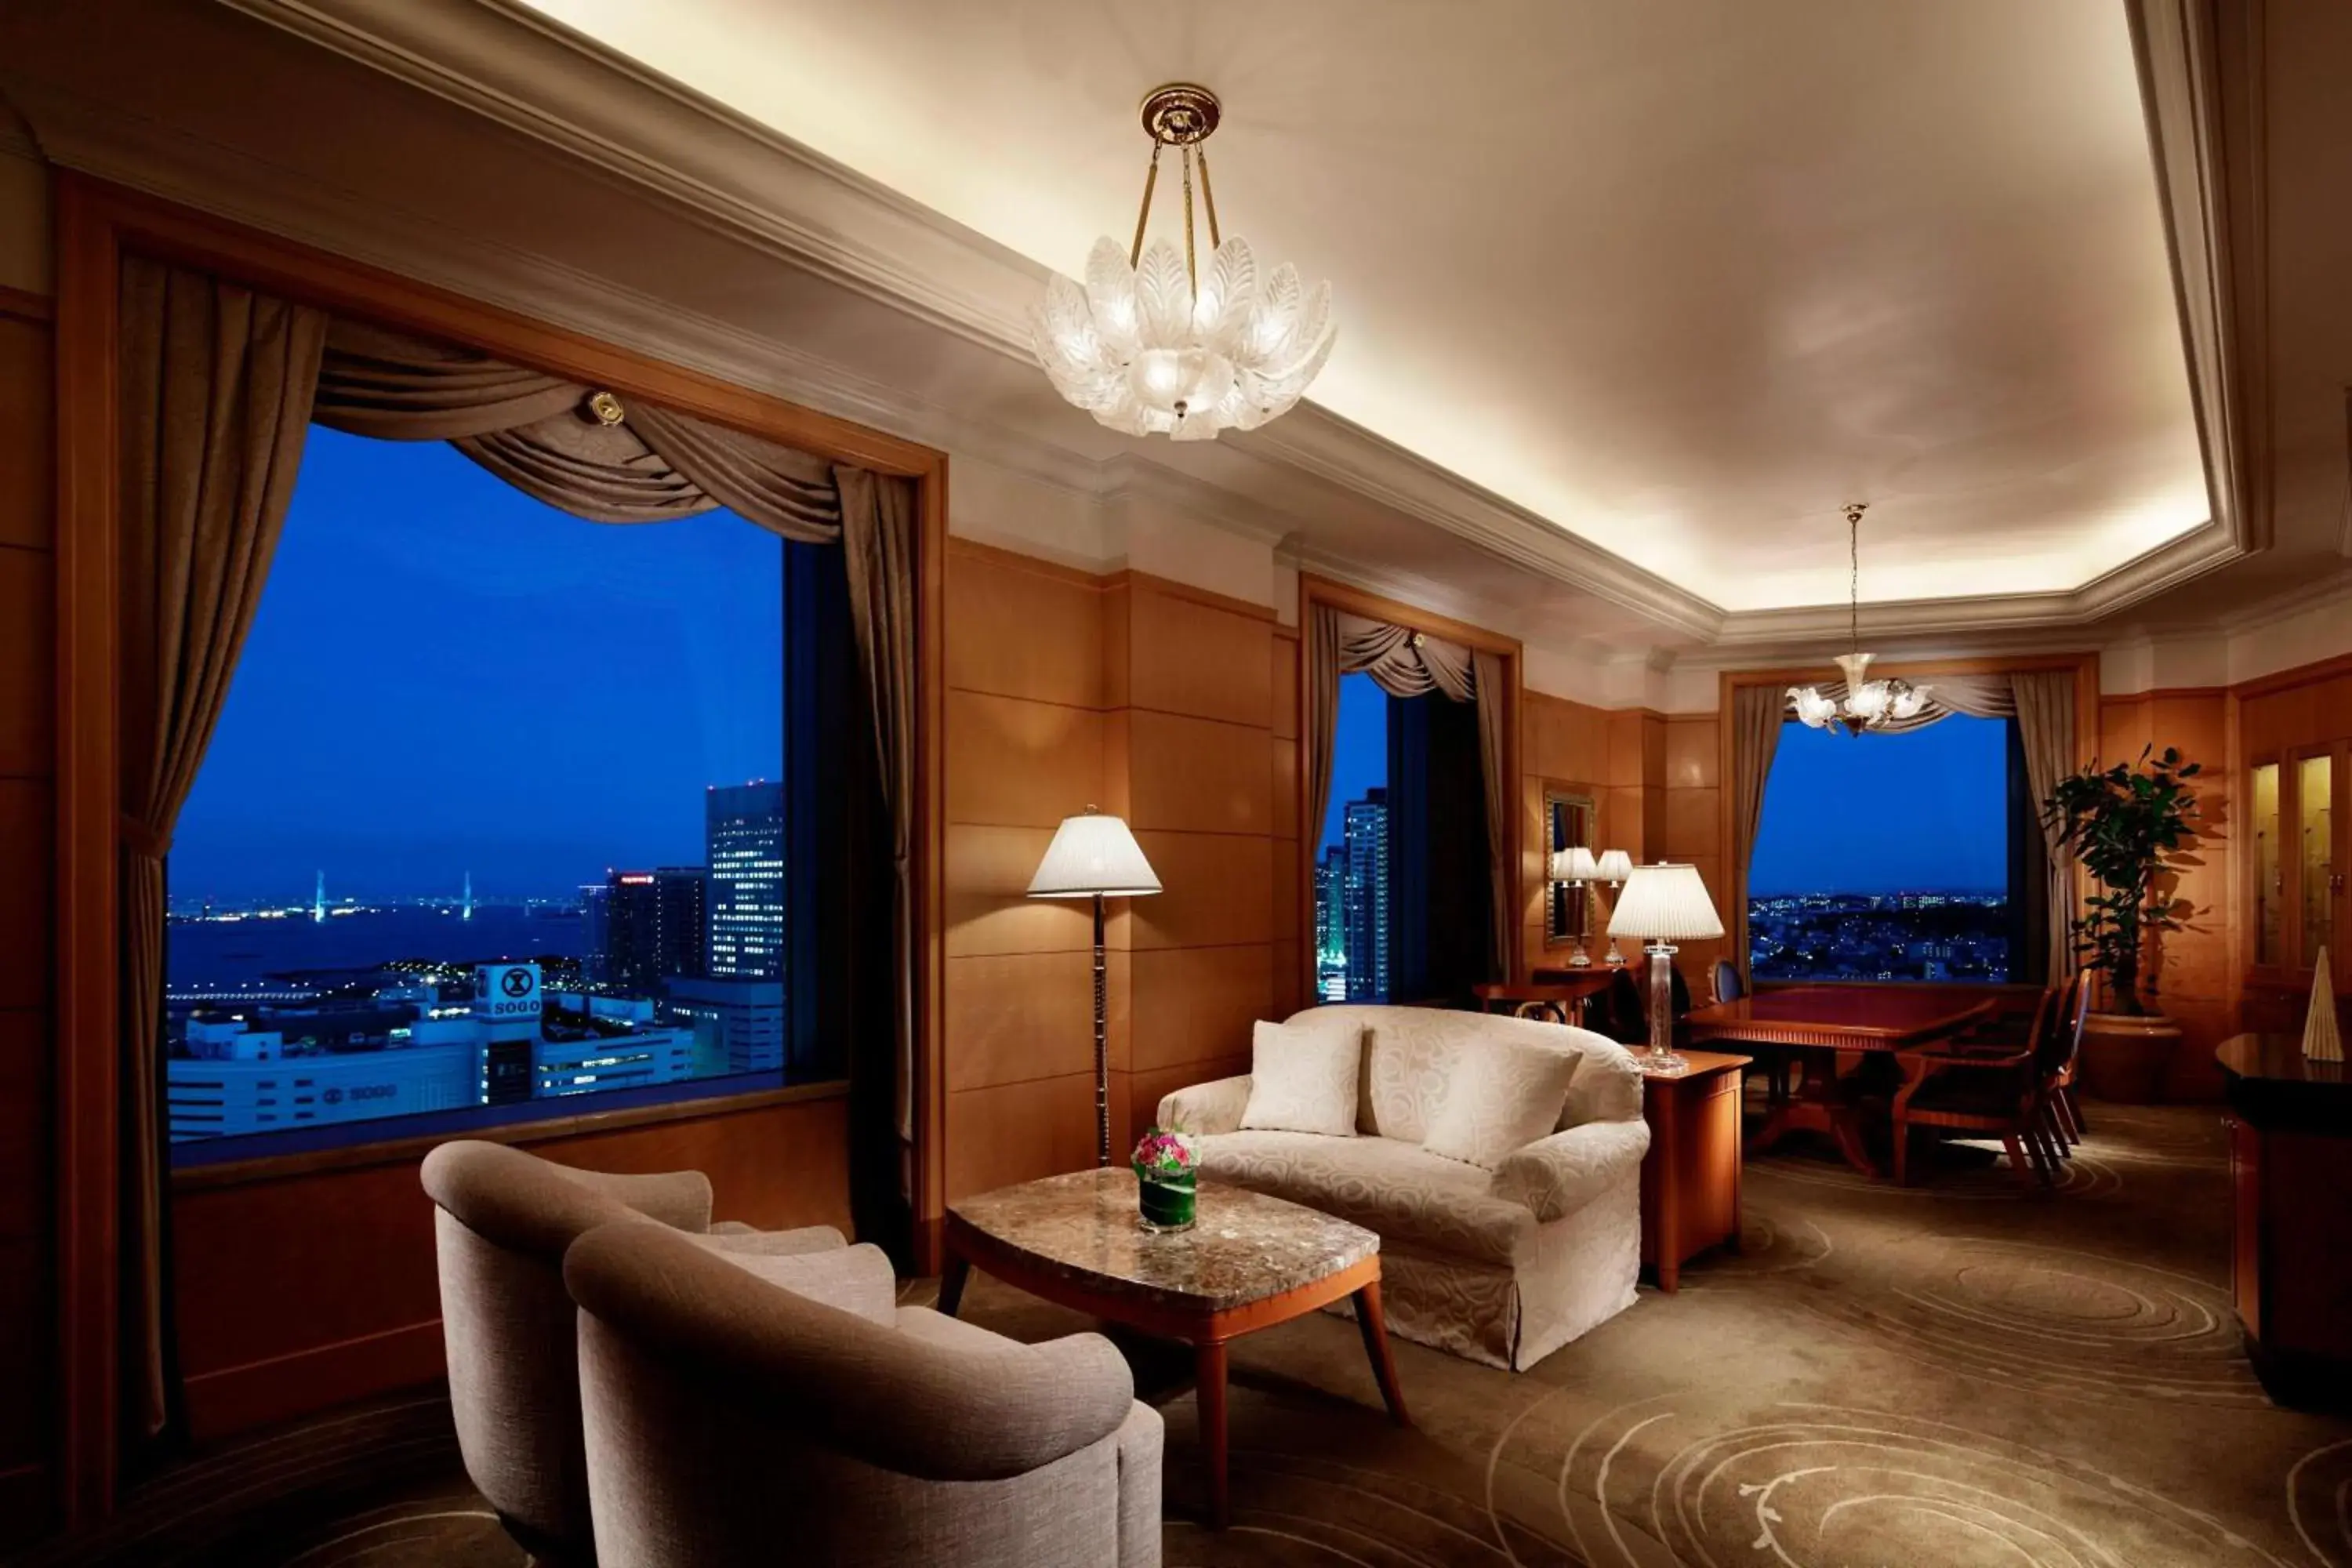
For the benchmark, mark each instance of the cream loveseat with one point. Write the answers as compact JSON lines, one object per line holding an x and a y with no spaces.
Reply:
{"x":1501,"y":1266}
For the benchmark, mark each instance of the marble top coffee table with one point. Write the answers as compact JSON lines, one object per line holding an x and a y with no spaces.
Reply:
{"x":1250,"y":1262}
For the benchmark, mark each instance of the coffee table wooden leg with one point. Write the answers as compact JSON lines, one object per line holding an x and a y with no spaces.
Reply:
{"x":951,"y":1283}
{"x":1373,"y":1324}
{"x":1209,"y":1381}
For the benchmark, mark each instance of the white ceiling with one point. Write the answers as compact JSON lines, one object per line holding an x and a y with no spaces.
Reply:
{"x":1680,"y":279}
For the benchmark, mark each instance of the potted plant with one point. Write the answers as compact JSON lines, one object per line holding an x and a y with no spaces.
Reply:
{"x":1167,"y":1177}
{"x":2124,"y":824}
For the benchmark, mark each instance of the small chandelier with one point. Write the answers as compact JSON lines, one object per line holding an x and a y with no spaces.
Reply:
{"x":1150,"y":346}
{"x":1868,"y":704}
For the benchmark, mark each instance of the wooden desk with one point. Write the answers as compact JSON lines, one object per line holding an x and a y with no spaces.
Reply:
{"x":1814,"y":1023}
{"x":1690,"y":1177}
{"x":1565,"y":991}
{"x":2291,"y":1230}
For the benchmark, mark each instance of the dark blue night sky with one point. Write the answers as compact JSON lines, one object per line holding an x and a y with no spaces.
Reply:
{"x":1360,"y":749}
{"x":447,"y":676}
{"x":1883,"y":814}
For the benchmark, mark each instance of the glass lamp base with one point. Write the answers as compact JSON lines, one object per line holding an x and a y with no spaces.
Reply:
{"x":1615,"y":960}
{"x":1656,"y":1060}
{"x":1581,"y":959}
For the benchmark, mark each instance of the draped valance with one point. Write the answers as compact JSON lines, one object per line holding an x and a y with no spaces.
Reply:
{"x":590,"y":453}
{"x":1404,"y":662}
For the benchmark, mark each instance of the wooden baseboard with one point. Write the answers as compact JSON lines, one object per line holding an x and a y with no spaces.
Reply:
{"x":237,"y":1398}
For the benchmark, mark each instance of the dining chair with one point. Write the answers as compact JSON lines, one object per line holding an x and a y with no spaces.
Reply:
{"x":1996,"y":1090}
{"x":1727,"y":985}
{"x":2064,"y":1105}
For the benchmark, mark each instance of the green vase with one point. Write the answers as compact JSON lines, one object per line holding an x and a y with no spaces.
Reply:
{"x":1166,"y":1202}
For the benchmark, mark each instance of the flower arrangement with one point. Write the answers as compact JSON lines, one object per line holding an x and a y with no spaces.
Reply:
{"x":1166,"y":1179}
{"x":1164,"y":1154}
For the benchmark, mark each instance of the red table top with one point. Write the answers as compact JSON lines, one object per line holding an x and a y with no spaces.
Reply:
{"x":1868,"y":1016}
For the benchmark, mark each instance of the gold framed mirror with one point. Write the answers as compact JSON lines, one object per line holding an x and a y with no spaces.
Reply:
{"x":1568,"y":820}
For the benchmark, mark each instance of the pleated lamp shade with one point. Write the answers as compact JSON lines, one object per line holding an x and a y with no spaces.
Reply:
{"x":1615,"y":865}
{"x":1666,"y":902}
{"x":1093,"y":854}
{"x":1574,"y":864}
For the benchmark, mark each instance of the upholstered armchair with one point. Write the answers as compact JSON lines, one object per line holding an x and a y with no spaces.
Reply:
{"x":503,"y":1221}
{"x":746,"y":1410}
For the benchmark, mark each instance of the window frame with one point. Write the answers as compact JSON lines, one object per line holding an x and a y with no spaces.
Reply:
{"x":1313,"y":592}
{"x":96,"y":222}
{"x":2084,"y":665}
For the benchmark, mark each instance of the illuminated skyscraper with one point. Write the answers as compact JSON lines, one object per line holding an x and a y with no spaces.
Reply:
{"x":1364,"y":897}
{"x":744,"y":829}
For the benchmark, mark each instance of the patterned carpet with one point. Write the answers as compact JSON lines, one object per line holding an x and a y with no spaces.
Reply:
{"x":1950,"y":1374}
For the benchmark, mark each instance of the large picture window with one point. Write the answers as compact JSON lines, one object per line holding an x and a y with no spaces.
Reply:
{"x":507,"y":814}
{"x":1894,"y":857}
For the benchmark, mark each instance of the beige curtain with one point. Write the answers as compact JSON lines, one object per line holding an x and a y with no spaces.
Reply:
{"x":1406,"y":663}
{"x":878,"y":533}
{"x":2045,"y":731}
{"x":216,"y":392}
{"x":1494,"y":766}
{"x":632,"y":462}
{"x":1757,"y":713}
{"x":1319,"y":698}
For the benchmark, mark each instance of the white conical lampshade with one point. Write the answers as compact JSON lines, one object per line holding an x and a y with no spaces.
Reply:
{"x":1574,"y":864}
{"x":1093,"y":854}
{"x":1615,"y":865}
{"x":1666,"y":903}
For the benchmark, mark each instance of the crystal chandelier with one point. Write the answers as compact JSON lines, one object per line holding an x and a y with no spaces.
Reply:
{"x":1868,"y":704}
{"x":1148,"y":345}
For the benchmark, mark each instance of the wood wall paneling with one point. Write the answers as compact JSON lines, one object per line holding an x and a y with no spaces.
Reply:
{"x":295,"y":1294}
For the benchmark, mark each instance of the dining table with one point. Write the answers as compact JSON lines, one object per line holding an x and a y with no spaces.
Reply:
{"x":1815,"y":1024}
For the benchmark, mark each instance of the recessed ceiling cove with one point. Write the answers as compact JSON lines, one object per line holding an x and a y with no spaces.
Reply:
{"x":1680,"y":278}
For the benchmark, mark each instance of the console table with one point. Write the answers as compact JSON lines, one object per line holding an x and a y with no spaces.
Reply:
{"x":2291,"y":1230}
{"x":1690,"y":1177}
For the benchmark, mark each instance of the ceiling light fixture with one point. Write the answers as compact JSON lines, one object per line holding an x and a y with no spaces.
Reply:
{"x":1868,"y":704}
{"x":1146,"y":345}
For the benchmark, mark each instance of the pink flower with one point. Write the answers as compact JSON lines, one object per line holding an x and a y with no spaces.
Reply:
{"x":1165,"y":1151}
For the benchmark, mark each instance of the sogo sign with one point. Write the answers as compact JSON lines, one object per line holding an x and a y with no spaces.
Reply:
{"x":507,"y":990}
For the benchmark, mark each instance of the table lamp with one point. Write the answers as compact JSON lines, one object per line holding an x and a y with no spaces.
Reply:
{"x":1095,"y":857}
{"x":1664,"y":903}
{"x":1614,"y":867}
{"x":1575,"y":868}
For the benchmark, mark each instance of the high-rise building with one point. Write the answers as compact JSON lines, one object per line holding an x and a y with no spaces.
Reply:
{"x":744,"y":831}
{"x":631,"y":932}
{"x":655,"y":928}
{"x":1331,"y":943}
{"x":1364,"y":895}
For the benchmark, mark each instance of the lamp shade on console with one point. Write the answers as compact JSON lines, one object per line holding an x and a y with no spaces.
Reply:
{"x":1095,"y":857}
{"x":1662,"y":905}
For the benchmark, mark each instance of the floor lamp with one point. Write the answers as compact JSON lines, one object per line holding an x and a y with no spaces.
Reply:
{"x":1095,"y":857}
{"x":1664,"y":904}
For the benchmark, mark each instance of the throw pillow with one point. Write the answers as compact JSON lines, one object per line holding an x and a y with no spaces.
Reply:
{"x":855,"y":1278}
{"x":1501,"y":1096}
{"x":1303,"y":1079}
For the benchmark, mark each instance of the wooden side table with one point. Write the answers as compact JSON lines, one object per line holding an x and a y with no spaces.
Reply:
{"x":1690,"y":1177}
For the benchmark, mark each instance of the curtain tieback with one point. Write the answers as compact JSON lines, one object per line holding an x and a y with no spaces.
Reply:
{"x":142,"y":838}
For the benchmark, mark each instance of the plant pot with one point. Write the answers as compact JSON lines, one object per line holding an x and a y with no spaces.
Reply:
{"x":1166,"y":1205}
{"x":2125,"y":1058}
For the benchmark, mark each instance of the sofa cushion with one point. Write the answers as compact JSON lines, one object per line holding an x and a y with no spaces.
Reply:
{"x":1303,"y":1081}
{"x":1410,"y":1197}
{"x":1502,"y":1095}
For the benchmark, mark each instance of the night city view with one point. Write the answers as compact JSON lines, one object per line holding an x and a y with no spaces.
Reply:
{"x":1351,"y":867}
{"x":1884,"y":857}
{"x":490,"y":816}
